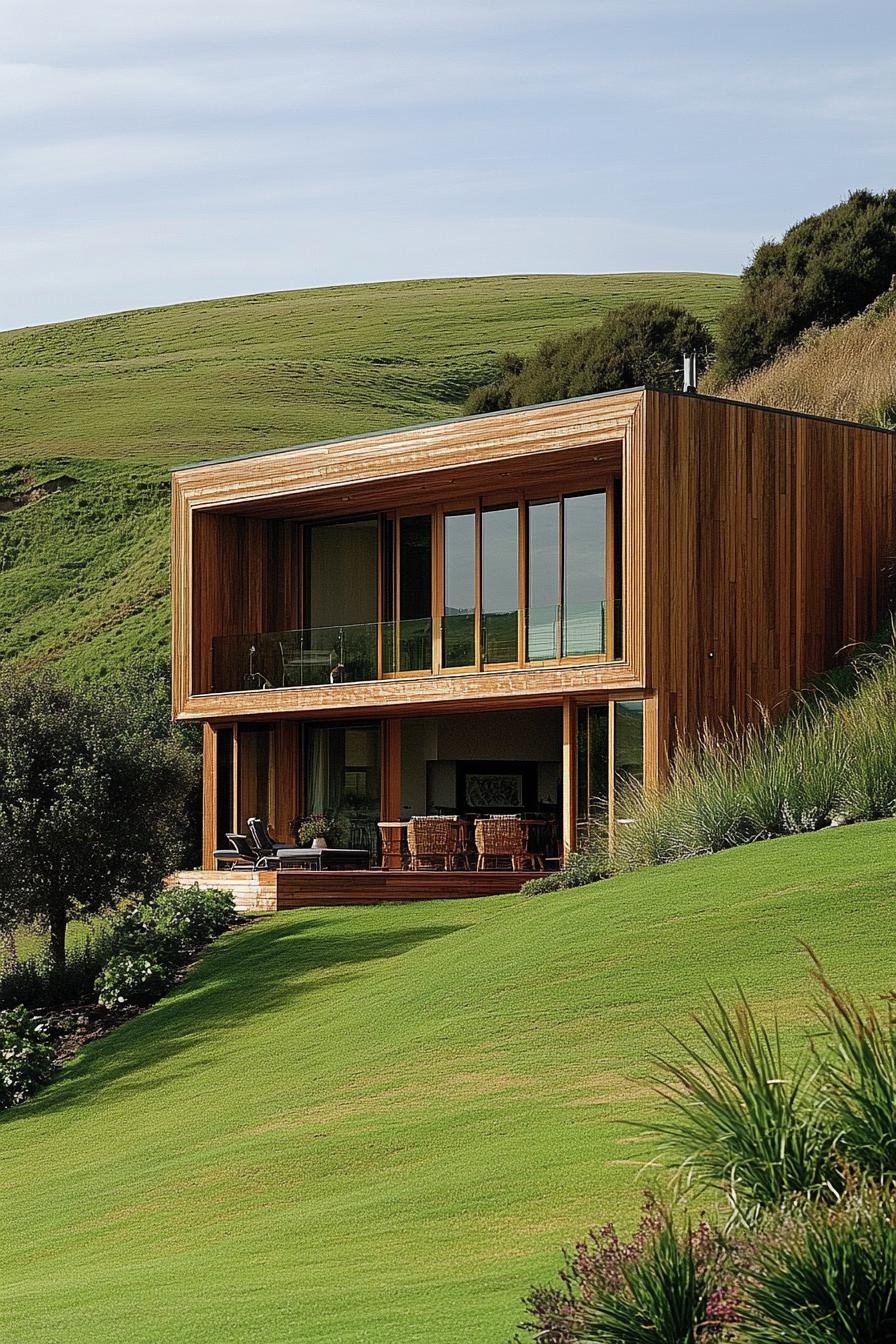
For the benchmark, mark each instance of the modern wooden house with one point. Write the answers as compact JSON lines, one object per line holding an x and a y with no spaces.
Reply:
{"x":509,"y":613}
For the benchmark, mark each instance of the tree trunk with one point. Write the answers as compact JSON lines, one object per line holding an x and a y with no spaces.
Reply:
{"x":58,"y":922}
{"x":8,"y":941}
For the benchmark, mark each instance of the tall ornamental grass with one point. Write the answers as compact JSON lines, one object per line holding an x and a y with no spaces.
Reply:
{"x":802,"y":1145}
{"x":828,"y":1276}
{"x":742,"y":1117}
{"x":828,"y":762}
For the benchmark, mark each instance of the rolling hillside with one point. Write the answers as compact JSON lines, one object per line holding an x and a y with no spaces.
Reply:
{"x":378,"y":1125}
{"x":94,"y":413}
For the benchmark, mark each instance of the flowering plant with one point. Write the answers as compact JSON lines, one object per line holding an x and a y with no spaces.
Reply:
{"x":27,"y":1059}
{"x":316,"y":827}
{"x":130,"y":978}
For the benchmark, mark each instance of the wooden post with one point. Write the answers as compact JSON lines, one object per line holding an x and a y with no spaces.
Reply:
{"x":568,"y":790}
{"x":209,"y":794}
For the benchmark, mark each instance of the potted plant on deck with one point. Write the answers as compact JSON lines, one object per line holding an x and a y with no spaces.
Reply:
{"x":314,"y":832}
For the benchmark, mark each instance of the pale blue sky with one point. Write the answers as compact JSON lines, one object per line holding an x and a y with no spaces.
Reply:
{"x":183,"y":149}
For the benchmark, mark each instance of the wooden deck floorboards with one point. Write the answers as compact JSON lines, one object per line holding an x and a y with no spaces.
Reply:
{"x":293,"y":888}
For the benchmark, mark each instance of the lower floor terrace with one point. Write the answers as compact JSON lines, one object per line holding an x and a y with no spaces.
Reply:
{"x":416,"y":807}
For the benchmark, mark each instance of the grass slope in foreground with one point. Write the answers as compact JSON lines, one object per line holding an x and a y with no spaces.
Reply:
{"x":381,"y":1124}
{"x":111,"y":403}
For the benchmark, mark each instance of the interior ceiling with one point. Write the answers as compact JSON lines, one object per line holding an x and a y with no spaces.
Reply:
{"x":544,"y":473}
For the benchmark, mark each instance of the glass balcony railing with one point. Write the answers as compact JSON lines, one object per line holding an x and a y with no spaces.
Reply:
{"x":332,"y":654}
{"x":325,"y":655}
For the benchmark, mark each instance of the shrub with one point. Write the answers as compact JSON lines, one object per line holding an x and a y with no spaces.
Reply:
{"x":27,"y":1059}
{"x":131,"y":978}
{"x":826,"y":268}
{"x":829,"y":1275}
{"x":191,"y":916}
{"x":37,"y":982}
{"x":858,"y":1052}
{"x":744,"y":1118}
{"x":847,"y":371}
{"x":661,"y":1287}
{"x":640,"y":342}
{"x":832,"y":759}
{"x":581,"y":868}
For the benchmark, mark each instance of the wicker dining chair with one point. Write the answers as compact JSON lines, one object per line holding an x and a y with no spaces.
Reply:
{"x":432,"y":842}
{"x":502,"y":838}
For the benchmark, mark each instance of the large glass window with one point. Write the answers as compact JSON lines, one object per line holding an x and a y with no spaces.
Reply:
{"x":415,"y":594}
{"x":628,"y":754}
{"x":341,"y":573}
{"x":342,"y":780}
{"x":593,"y":770}
{"x":500,"y":585}
{"x":543,"y":598}
{"x":254,"y":776}
{"x":584,"y":573}
{"x":459,"y":624}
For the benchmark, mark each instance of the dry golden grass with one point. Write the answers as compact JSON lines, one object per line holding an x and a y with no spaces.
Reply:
{"x":848,"y":371}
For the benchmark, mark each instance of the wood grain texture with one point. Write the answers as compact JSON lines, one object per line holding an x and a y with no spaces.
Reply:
{"x":755,"y":545}
{"x":260,"y":892}
{"x":768,"y":537}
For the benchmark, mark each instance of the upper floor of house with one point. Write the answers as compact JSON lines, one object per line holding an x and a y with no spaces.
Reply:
{"x":609,"y":545}
{"x":483,"y":557}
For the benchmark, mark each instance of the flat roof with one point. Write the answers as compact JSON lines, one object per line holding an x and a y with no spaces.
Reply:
{"x":522,"y":410}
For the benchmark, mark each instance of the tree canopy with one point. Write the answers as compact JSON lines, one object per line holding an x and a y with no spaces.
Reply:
{"x":826,"y":268}
{"x":92,"y":803}
{"x":637,"y":343}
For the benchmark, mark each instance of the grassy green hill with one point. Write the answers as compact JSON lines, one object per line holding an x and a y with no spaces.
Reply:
{"x":94,"y":413}
{"x":380,"y":1124}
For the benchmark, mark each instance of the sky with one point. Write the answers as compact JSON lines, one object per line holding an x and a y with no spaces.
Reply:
{"x":172,"y":150}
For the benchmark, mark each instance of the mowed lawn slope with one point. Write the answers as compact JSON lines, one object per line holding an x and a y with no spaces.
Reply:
{"x":380,"y":1125}
{"x":111,"y":403}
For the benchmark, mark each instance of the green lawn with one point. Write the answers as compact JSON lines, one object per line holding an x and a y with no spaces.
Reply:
{"x":113,"y":402}
{"x":380,"y":1124}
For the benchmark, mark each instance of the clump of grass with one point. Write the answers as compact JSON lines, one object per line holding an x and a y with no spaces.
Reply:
{"x":847,"y":371}
{"x":744,"y":1118}
{"x":828,"y":1276}
{"x":831,"y":760}
{"x":858,"y":1051}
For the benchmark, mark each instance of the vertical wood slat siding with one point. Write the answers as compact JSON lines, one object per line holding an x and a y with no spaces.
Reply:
{"x":767,"y":539}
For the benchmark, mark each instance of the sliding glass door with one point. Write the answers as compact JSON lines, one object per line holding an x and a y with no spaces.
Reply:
{"x":342,"y":780}
{"x":459,"y":643}
{"x":584,"y":574}
{"x":543,"y":589}
{"x":500,"y":585}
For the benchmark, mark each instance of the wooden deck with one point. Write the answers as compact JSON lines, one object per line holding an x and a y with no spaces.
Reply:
{"x":292,"y":888}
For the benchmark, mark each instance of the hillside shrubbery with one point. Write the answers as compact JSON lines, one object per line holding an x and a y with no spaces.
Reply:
{"x":830,"y":761}
{"x":826,"y":268}
{"x":801,"y":1153}
{"x":847,"y":371}
{"x":636,"y":343}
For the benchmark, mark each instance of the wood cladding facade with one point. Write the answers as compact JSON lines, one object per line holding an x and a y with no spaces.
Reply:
{"x":769,"y":539}
{"x":755,"y":544}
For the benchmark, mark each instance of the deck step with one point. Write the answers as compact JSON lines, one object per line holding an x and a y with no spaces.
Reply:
{"x":291,"y":889}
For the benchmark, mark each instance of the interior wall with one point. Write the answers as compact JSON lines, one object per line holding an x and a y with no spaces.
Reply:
{"x":511,"y":735}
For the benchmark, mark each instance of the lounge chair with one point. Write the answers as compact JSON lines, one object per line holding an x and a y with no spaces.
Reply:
{"x":263,"y":844}
{"x":239,"y":854}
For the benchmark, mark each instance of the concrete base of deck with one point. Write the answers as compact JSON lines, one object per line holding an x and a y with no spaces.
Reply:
{"x":260,"y":892}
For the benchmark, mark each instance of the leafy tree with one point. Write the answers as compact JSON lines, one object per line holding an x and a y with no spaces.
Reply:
{"x":92,"y":803}
{"x":826,"y":268}
{"x":638,"y":343}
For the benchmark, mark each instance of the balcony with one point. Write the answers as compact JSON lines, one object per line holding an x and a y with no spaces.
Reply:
{"x":456,"y":642}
